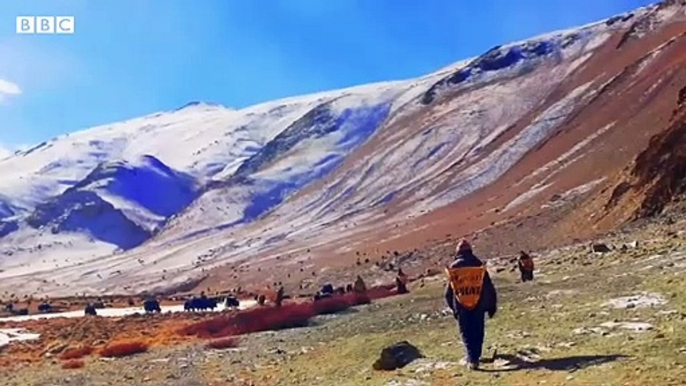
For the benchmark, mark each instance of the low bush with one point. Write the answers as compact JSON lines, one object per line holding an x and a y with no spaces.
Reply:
{"x":73,"y":364}
{"x":381,"y":292}
{"x":76,"y":353}
{"x":289,"y":315}
{"x":123,"y":349}
{"x":223,"y":343}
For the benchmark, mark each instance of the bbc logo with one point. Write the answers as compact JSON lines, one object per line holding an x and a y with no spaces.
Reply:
{"x":45,"y":24}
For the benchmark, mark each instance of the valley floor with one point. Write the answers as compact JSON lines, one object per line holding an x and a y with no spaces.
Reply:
{"x":569,"y":327}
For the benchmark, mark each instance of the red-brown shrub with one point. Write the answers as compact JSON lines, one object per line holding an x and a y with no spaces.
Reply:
{"x":123,"y":349}
{"x":332,"y":305}
{"x":73,"y":364}
{"x":222,"y":343}
{"x":381,"y":292}
{"x":252,"y":320}
{"x":76,"y":353}
{"x":290,"y":315}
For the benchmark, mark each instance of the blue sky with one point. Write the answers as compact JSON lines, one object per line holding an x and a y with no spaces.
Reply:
{"x":132,"y":57}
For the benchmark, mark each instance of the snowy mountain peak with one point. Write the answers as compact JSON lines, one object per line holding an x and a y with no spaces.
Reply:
{"x":202,"y":106}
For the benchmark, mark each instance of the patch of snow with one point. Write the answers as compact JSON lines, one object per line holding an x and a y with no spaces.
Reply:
{"x":526,"y":196}
{"x":633,"y":326}
{"x":561,"y":162}
{"x":499,"y":161}
{"x":116,"y":312}
{"x":643,"y":300}
{"x":574,"y":192}
{"x":598,"y":40}
{"x":577,"y":63}
{"x":9,"y":335}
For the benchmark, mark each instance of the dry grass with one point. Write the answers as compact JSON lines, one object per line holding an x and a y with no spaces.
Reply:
{"x":123,"y":349}
{"x":77,"y":353}
{"x":73,"y":364}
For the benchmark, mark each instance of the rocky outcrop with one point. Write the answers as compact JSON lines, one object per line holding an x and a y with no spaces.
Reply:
{"x":397,"y":356}
{"x":658,"y":174}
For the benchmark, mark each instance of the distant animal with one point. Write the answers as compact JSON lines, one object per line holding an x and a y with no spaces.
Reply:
{"x":327,"y":289}
{"x":90,"y":310}
{"x":232,"y":302}
{"x":44,"y":307}
{"x":21,"y":311}
{"x":200,"y":304}
{"x":151,"y":305}
{"x":319,"y":296}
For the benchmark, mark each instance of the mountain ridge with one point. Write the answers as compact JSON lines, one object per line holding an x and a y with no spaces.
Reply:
{"x":357,"y":170}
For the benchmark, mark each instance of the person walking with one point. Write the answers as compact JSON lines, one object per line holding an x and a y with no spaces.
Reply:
{"x":471,"y":295}
{"x":526,"y":266}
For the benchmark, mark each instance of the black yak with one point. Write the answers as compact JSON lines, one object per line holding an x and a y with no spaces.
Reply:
{"x":151,"y":305}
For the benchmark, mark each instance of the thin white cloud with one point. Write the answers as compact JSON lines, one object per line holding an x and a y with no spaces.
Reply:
{"x":8,"y":89}
{"x":5,"y":152}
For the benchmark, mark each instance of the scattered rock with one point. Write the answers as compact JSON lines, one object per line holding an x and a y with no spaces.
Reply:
{"x":561,"y":293}
{"x":423,"y":365}
{"x":587,"y":330}
{"x":637,"y":301}
{"x":633,"y":326}
{"x":600,"y":248}
{"x":502,"y":364}
{"x":397,"y":356}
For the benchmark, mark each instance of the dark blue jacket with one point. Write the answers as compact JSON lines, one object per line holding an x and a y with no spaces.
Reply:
{"x":488,"y":303}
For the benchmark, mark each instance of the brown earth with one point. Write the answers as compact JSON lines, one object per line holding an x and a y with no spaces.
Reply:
{"x":643,"y":82}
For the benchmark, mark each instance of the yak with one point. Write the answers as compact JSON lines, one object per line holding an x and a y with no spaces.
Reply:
{"x":200,"y":303}
{"x":90,"y":310}
{"x":232,"y":302}
{"x":151,"y":305}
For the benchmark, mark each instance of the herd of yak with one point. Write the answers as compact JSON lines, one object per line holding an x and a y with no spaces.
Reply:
{"x":195,"y":303}
{"x":150,"y":305}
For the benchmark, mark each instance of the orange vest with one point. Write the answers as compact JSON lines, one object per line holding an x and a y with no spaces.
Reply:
{"x":467,"y":284}
{"x":527,"y":263}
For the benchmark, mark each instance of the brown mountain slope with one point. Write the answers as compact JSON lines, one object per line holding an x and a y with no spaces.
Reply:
{"x":628,"y":132}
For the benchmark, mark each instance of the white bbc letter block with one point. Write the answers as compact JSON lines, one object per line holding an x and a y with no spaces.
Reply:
{"x":45,"y":24}
{"x":64,"y":24}
{"x":26,"y":24}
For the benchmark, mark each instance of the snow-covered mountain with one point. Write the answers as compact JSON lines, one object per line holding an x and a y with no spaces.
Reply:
{"x":154,"y":201}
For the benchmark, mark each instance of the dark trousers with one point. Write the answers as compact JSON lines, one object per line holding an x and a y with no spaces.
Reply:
{"x":472,"y":329}
{"x":527,"y":275}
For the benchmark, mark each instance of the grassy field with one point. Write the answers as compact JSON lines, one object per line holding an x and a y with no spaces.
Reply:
{"x":554,"y":331}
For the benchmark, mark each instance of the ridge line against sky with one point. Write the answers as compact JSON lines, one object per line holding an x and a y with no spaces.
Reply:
{"x":130,"y":58}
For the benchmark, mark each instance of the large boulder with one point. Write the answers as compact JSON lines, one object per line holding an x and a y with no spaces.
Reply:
{"x":397,"y":356}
